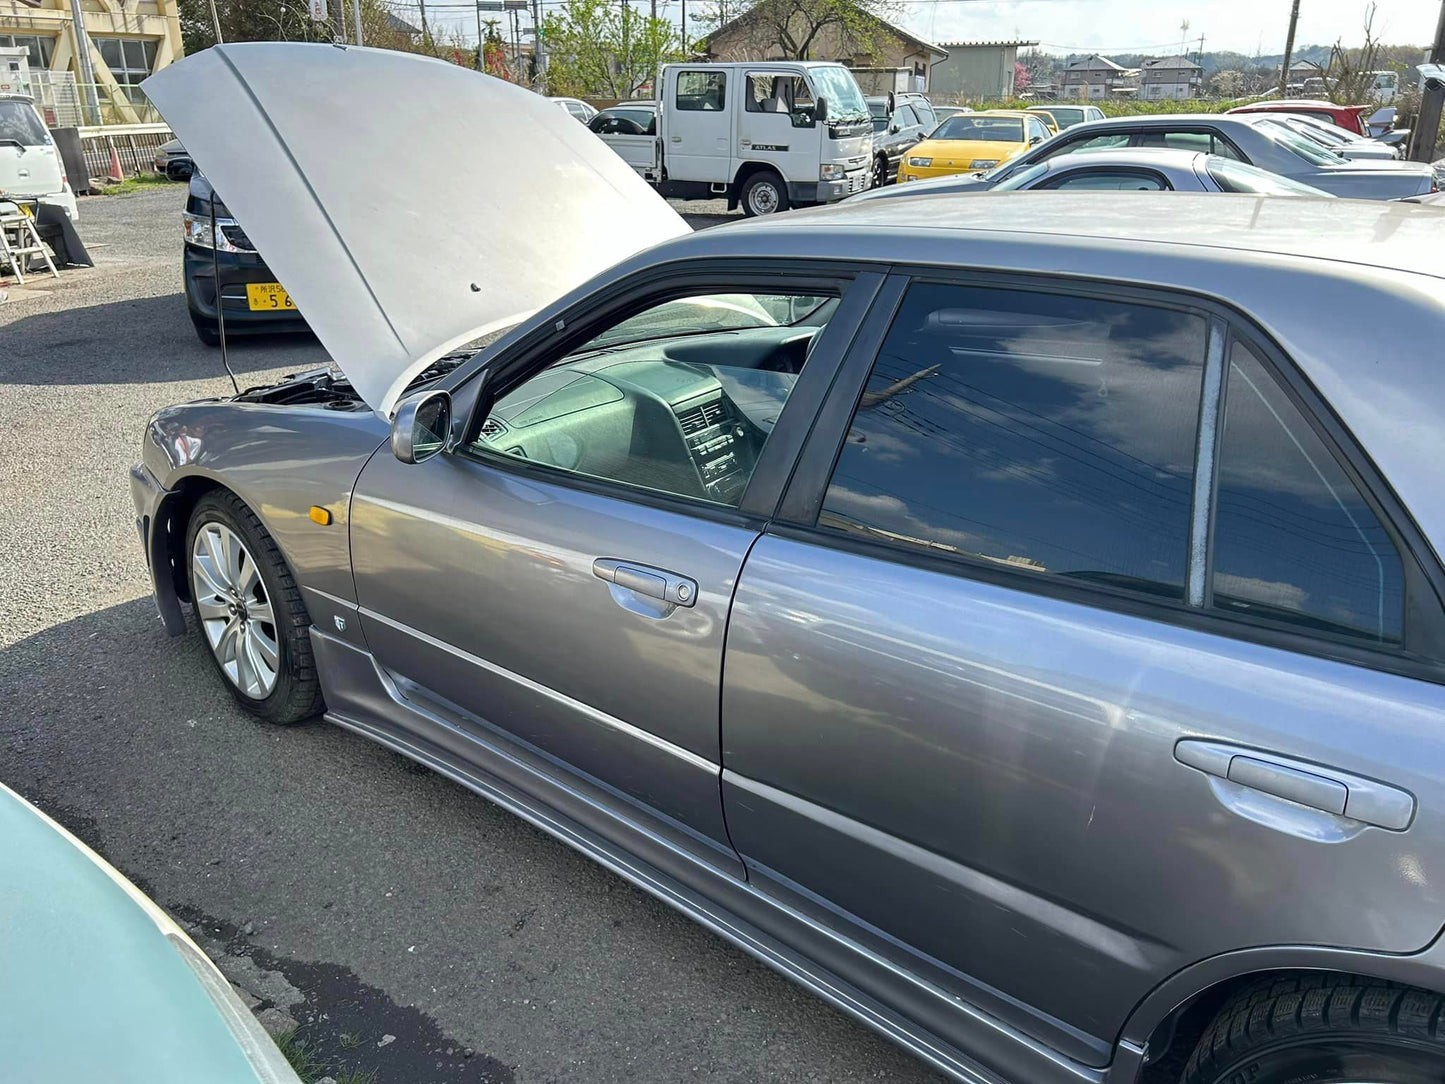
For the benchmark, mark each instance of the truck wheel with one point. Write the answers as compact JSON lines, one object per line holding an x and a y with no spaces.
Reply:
{"x":1324,"y":1028}
{"x":764,"y":194}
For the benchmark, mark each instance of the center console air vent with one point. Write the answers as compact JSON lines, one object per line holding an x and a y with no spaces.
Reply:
{"x":696,"y":419}
{"x":492,"y":428}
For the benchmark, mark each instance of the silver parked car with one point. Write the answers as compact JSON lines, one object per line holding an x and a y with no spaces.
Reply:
{"x":1150,"y":171}
{"x":1251,"y":138}
{"x":1018,"y":621}
{"x":1338,"y":139}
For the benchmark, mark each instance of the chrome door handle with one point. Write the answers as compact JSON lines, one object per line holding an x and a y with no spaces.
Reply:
{"x":1340,"y":793}
{"x":677,"y":139}
{"x":645,"y":580}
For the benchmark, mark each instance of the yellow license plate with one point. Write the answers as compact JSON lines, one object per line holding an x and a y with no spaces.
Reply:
{"x":268,"y":296}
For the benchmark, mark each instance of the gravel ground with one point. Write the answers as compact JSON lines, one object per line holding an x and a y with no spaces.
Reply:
{"x":316,"y":865}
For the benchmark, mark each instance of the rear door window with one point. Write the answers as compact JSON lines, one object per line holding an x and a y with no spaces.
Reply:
{"x":1294,"y":540}
{"x":19,"y":123}
{"x":1044,"y":433}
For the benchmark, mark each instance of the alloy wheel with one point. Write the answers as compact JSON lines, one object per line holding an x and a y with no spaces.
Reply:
{"x":235,"y":611}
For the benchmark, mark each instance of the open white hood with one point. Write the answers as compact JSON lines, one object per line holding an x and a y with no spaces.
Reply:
{"x":407,"y":205}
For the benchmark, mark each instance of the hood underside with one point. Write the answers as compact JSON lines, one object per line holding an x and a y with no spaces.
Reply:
{"x":407,"y":205}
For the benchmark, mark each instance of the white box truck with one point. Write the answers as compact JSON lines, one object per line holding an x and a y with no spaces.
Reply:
{"x":766,"y":135}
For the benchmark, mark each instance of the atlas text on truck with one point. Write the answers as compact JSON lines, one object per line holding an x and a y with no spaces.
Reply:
{"x":767,"y":135}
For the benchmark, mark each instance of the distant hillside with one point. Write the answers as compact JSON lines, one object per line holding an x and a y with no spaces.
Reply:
{"x":1224,"y":60}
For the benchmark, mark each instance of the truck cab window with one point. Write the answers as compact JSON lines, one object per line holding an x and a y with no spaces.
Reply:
{"x":701,"y":92}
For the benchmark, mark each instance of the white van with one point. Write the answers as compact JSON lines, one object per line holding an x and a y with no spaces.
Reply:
{"x":766,"y":135}
{"x":30,"y":165}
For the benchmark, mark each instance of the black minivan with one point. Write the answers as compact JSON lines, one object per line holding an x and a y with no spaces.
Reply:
{"x":255,"y":303}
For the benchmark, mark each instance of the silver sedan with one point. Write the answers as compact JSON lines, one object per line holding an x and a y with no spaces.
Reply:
{"x":1152,"y":171}
{"x":1245,"y":138}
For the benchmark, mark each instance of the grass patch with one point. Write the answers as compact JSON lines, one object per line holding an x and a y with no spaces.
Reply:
{"x":137,"y":183}
{"x":299,"y":1053}
{"x":311,"y":1067}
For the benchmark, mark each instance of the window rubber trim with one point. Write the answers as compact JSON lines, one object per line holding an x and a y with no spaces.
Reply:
{"x":1422,"y":656}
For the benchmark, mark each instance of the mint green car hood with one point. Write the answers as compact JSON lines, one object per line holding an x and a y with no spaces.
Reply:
{"x":92,"y":988}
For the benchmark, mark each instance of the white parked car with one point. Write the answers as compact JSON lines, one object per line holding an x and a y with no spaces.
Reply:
{"x":30,"y":165}
{"x":577,"y":107}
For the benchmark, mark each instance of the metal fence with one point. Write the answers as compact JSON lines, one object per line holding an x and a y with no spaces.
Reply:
{"x":133,"y":145}
{"x":64,"y":103}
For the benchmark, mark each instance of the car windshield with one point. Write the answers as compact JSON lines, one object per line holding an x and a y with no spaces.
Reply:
{"x":1237,"y":177}
{"x":19,"y":123}
{"x":712,"y":313}
{"x":1023,"y":178}
{"x":976,"y":129}
{"x":879,"y":112}
{"x":1064,"y":117}
{"x":836,"y":83}
{"x":1305,"y":148}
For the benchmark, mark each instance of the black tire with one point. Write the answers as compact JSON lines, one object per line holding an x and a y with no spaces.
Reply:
{"x":297,"y":692}
{"x":206,"y":330}
{"x":880,"y":171}
{"x":1322,"y":1028}
{"x":763,"y":190}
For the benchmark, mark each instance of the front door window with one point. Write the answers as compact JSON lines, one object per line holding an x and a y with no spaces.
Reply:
{"x":679,"y":398}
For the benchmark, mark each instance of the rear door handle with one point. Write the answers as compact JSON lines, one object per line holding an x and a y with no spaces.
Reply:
{"x":645,"y":580}
{"x":1298,"y":781}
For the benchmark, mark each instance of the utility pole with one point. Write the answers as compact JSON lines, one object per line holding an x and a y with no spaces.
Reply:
{"x":82,"y":56}
{"x":539,"y":50}
{"x":626,"y":52}
{"x":1288,"y":50}
{"x":425,"y":33}
{"x":685,"y":49}
{"x":356,"y":18}
{"x":1427,"y":123}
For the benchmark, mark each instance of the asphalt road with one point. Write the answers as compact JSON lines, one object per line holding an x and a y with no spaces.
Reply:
{"x":392,"y":901}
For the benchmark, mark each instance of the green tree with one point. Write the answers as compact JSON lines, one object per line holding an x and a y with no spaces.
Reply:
{"x":290,"y":20}
{"x":600,"y":50}
{"x":796,"y":28}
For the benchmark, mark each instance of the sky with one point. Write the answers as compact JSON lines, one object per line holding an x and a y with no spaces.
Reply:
{"x":1151,"y":26}
{"x":1105,"y":26}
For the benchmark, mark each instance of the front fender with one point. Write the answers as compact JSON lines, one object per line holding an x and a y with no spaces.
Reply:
{"x":281,"y":460}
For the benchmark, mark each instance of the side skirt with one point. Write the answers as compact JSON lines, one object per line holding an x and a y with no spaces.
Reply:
{"x":363,"y":699}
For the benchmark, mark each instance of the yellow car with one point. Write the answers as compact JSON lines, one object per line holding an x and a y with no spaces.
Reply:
{"x":973,"y":141}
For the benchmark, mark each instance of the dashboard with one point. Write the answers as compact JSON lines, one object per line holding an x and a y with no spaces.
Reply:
{"x":686,"y":415}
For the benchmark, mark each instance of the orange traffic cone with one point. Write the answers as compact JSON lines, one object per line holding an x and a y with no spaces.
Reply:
{"x":116,"y":173}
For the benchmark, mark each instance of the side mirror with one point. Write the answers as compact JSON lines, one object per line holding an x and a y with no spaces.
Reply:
{"x":422,"y":426}
{"x":895,"y":128}
{"x":1035,"y":140}
{"x":820,"y":110}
